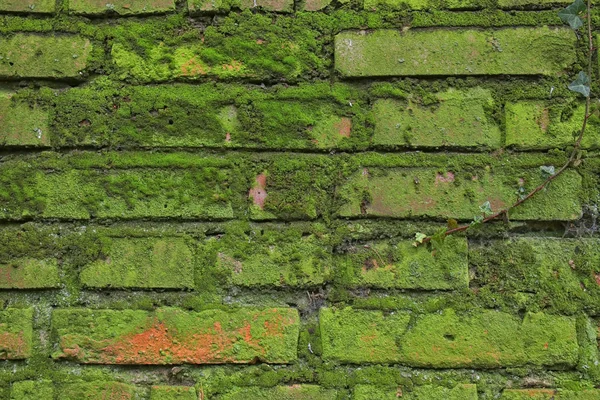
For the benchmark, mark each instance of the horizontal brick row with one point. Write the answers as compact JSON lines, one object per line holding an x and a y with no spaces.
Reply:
{"x":316,"y":117}
{"x":173,"y":336}
{"x":518,"y":51}
{"x":459,"y":392}
{"x":138,"y":7}
{"x":485,"y":339}
{"x":211,"y":188}
{"x":29,"y":273}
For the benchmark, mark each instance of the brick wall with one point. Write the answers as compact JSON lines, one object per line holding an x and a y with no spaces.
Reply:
{"x":216,"y":199}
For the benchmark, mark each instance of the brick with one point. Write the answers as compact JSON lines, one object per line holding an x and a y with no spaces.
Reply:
{"x":514,"y":51}
{"x":32,"y":390}
{"x":22,"y":125}
{"x":537,"y":125}
{"x":272,"y":258}
{"x":400,"y":265}
{"x":373,"y":5}
{"x":549,"y":394}
{"x":459,"y":119}
{"x":563,"y":273}
{"x":314,"y":5}
{"x":142,"y":263}
{"x":173,"y":393}
{"x":425,"y":392}
{"x":487,"y":339}
{"x":418,"y":192}
{"x":172,"y":336}
{"x":33,"y":56}
{"x":120,"y":7}
{"x":212,"y":6}
{"x":135,"y":194}
{"x":16,"y":333}
{"x":28,"y":6}
{"x":306,"y":392}
{"x":98,"y":390}
{"x":28,"y":273}
{"x":315,"y":116}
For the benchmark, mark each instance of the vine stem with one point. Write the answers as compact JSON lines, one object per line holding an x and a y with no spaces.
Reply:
{"x":572,"y":157}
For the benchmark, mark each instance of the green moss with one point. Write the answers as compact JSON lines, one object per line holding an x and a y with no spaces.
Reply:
{"x":459,"y":119}
{"x":518,"y":51}
{"x":22,"y":125}
{"x":16,"y":333}
{"x":95,"y":390}
{"x":426,"y":392}
{"x":549,"y":394}
{"x":401,"y":265}
{"x":305,"y":392}
{"x":46,"y":56}
{"x":28,"y":273}
{"x":120,"y":7}
{"x":30,"y":6}
{"x":32,"y":390}
{"x":142,"y":263}
{"x":173,"y":393}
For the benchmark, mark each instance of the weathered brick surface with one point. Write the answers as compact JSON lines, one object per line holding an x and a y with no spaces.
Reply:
{"x":16,"y":333}
{"x":549,"y":394}
{"x":459,"y":392}
{"x":484,"y":339}
{"x":459,"y":120}
{"x":401,"y":265}
{"x":28,"y":6}
{"x":98,"y":390}
{"x":22,"y":125}
{"x":416,"y":192}
{"x":142,"y":263}
{"x":211,"y":6}
{"x":311,"y":392}
{"x":28,"y":273}
{"x":518,"y":51}
{"x":36,"y":56}
{"x":120,"y":7}
{"x":173,"y":336}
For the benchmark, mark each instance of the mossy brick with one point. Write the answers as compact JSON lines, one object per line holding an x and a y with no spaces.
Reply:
{"x":420,"y":192}
{"x":292,"y":188}
{"x":173,"y":393}
{"x":32,"y":390}
{"x":129,"y":194}
{"x":312,"y":116}
{"x":549,"y":394}
{"x":515,"y":4}
{"x":272,"y":258}
{"x":16,"y":333}
{"x":510,"y":51}
{"x":538,"y":125}
{"x":562,"y":273}
{"x":487,"y":339}
{"x":314,"y":5}
{"x":120,"y":7}
{"x":165,"y":263}
{"x":374,"y":5}
{"x":35,"y":56}
{"x":21,"y":124}
{"x":401,"y":265}
{"x":108,"y":390}
{"x":174,"y":336}
{"x":245,"y":46}
{"x":425,"y":392}
{"x":458,"y":119}
{"x":292,"y":392}
{"x":29,"y":273}
{"x":28,"y":6}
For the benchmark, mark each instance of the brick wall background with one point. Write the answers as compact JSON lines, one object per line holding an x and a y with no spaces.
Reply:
{"x":216,"y":199}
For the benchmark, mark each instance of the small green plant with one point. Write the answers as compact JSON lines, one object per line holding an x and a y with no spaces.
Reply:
{"x":577,"y":15}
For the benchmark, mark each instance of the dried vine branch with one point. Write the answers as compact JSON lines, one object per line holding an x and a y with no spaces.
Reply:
{"x":573,"y":157}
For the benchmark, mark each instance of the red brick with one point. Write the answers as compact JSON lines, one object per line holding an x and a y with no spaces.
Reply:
{"x":16,"y":333}
{"x":121,"y":7}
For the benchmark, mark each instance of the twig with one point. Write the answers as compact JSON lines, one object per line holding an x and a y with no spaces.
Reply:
{"x":572,"y":157}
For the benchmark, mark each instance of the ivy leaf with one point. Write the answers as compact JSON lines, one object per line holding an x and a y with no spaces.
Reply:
{"x":570,"y":15}
{"x":581,"y":84}
{"x":477,"y":220}
{"x":547,"y":170}
{"x":486,"y":208}
{"x":419,"y":237}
